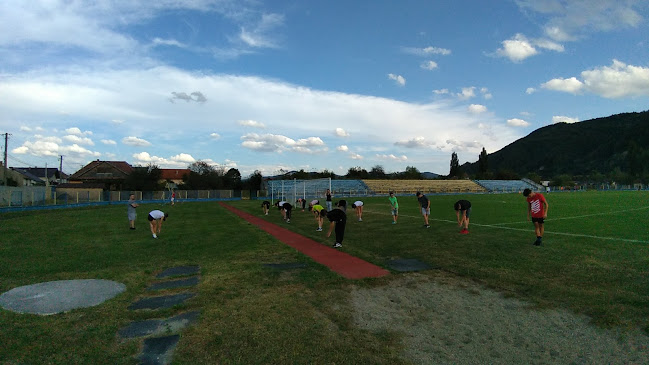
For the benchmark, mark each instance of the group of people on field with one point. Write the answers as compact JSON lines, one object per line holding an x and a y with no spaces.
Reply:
{"x":537,"y":211}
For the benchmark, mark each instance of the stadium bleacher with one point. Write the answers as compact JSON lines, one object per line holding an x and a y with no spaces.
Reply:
{"x":381,"y":187}
{"x":505,"y":186}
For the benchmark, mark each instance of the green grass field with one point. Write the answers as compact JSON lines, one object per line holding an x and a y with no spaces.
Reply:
{"x":594,"y":261}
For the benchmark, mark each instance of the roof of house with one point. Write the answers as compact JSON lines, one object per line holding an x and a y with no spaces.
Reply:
{"x":121,"y":166}
{"x":173,"y":174}
{"x":42,"y":171}
{"x":28,"y":175}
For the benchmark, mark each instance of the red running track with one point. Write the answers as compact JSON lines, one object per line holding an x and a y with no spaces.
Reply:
{"x":344,"y":264}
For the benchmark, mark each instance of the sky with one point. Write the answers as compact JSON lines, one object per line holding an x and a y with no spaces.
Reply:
{"x":283,"y":85}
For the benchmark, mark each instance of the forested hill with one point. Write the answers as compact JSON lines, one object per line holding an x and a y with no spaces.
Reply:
{"x":602,"y":145}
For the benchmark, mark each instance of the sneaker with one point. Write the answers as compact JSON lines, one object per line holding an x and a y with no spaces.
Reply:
{"x":132,"y":227}
{"x":154,"y":236}
{"x":337,"y":245}
{"x":288,"y":221}
{"x":427,"y":225}
{"x":319,"y":229}
{"x":393,"y":222}
{"x":464,"y":231}
{"x":537,"y":243}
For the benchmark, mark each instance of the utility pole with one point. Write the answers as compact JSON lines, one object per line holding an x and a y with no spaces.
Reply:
{"x":61,"y":169}
{"x":4,"y":173}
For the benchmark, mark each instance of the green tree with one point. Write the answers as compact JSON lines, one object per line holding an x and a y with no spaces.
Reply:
{"x":232,"y":179}
{"x":144,"y":178}
{"x":357,"y":173}
{"x":254,"y":181}
{"x":455,"y":166}
{"x":377,"y":172}
{"x":483,"y":164}
{"x":411,"y":173}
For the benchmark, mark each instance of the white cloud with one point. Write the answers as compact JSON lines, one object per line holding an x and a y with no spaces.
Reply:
{"x":427,"y":51}
{"x":342,"y":148}
{"x":485,"y":93}
{"x":429,"y":65}
{"x":562,"y":119}
{"x":417,"y":142}
{"x":570,"y":20}
{"x":183,"y":157}
{"x":215,"y":135}
{"x":279,"y":143}
{"x":441,"y":91}
{"x":398,"y":79}
{"x":134,"y":141}
{"x":80,"y":140}
{"x":517,"y":48}
{"x":477,"y":108}
{"x":252,"y":123}
{"x":259,"y":34}
{"x":108,"y":142}
{"x":77,"y":132}
{"x":571,"y":85}
{"x":355,"y":156}
{"x":78,"y":151}
{"x":133,"y":95}
{"x":516,"y":122}
{"x":618,"y":80}
{"x":341,"y":132}
{"x":530,"y":90}
{"x":467,"y":93}
{"x":392,"y":157}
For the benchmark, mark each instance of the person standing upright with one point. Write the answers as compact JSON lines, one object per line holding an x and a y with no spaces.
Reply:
{"x":328,"y":201}
{"x":394,"y":207}
{"x":131,"y":211}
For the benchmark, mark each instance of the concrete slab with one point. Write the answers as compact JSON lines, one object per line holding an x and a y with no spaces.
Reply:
{"x":179,"y":271}
{"x":406,"y":265}
{"x":159,"y":350}
{"x":158,"y":327}
{"x":165,"y":301}
{"x":192,"y":281}
{"x":287,"y":266}
{"x":60,"y":296}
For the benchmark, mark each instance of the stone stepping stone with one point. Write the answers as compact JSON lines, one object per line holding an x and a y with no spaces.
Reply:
{"x":159,"y":350}
{"x":179,"y":271}
{"x":158,"y":327}
{"x":59,"y":296}
{"x":165,"y":301}
{"x":174,"y":284}
{"x":406,"y":265}
{"x":287,"y":266}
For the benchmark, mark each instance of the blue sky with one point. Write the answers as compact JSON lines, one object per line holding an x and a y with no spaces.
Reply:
{"x":313,"y":85}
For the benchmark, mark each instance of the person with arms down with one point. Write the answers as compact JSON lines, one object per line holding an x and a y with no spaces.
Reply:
{"x":463,"y":212}
{"x":537,"y":208}
{"x":156,"y":217}
{"x":338,"y":220}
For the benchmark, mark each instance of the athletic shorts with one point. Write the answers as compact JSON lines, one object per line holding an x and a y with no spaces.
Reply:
{"x":537,"y":220}
{"x":150,"y":218}
{"x":425,"y":211}
{"x":468,"y":212}
{"x":132,"y":216}
{"x":395,"y":211}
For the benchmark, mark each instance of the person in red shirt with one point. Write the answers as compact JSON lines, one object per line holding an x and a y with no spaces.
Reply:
{"x":537,"y":208}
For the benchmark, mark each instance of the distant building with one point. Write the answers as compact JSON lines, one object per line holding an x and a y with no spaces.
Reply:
{"x":39,"y":175}
{"x":174,"y":176}
{"x":109,"y":174}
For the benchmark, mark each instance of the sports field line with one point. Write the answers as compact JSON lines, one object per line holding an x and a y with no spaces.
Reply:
{"x":578,"y":216}
{"x":521,"y":229}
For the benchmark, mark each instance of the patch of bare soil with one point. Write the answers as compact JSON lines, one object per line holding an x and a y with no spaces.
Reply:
{"x":450,"y":320}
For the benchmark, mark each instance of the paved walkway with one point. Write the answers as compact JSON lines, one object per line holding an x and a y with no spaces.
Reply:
{"x":340,"y":262}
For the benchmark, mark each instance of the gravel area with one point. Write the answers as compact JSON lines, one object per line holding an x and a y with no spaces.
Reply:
{"x":450,"y":320}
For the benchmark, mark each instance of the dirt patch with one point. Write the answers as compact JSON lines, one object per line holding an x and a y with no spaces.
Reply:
{"x":449,"y":320}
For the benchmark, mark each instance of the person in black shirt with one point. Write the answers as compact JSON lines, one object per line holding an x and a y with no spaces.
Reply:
{"x":338,"y":220}
{"x":463,"y":211}
{"x":266,"y":206}
{"x":424,"y":203}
